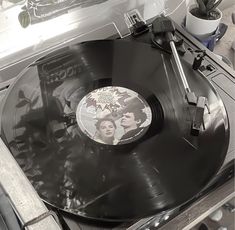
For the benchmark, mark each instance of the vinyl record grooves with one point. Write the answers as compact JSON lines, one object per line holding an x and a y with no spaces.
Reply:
{"x":66,"y":122}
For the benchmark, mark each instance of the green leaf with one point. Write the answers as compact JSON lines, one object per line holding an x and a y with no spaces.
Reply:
{"x":210,"y":5}
{"x":23,"y":147}
{"x":20,"y":139}
{"x":24,"y":19}
{"x":22,"y":103}
{"x":35,"y":100}
{"x":201,"y":6}
{"x":21,"y":94}
{"x":22,"y":155}
{"x":216,"y":4}
{"x":206,"y":2}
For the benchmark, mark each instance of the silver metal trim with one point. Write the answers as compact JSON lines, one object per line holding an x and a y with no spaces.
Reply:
{"x":193,"y":214}
{"x":203,"y":208}
{"x":180,"y":68}
{"x":22,"y":195}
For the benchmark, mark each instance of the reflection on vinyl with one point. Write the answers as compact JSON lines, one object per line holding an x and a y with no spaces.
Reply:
{"x":67,"y":122}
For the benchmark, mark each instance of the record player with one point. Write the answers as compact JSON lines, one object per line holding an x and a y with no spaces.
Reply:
{"x":66,"y":117}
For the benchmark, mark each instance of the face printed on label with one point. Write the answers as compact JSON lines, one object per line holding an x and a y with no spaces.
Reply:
{"x":113,"y":115}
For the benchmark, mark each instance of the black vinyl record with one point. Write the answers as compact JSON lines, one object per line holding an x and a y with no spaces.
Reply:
{"x":103,"y":130}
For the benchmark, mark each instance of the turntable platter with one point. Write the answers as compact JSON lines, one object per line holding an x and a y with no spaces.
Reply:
{"x":102,"y":130}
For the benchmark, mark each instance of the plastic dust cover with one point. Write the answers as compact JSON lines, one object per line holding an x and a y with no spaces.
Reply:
{"x":31,"y":27}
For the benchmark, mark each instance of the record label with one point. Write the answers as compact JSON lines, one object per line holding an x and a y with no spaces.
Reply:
{"x":113,"y":115}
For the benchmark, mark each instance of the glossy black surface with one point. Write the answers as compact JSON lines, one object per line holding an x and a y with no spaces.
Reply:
{"x":162,"y":170}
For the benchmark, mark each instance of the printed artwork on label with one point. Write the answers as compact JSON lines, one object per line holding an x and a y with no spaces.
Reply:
{"x":113,"y":115}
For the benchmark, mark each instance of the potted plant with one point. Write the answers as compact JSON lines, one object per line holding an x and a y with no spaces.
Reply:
{"x":203,"y":19}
